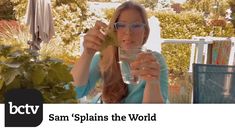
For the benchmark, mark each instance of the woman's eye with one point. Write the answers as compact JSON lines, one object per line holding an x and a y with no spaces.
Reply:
{"x":121,"y":25}
{"x":136,"y":25}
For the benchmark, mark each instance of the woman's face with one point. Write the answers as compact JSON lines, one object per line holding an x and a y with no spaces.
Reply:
{"x":130,"y":29}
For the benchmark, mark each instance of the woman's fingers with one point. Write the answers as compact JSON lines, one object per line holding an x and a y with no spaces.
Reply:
{"x":148,"y":78}
{"x":150,"y":71}
{"x":94,"y":37}
{"x":146,"y":72}
{"x":146,"y":66}
{"x":146,"y":57}
{"x":100,"y":25}
{"x":92,"y":46}
{"x":151,"y":65}
{"x":97,"y":33}
{"x":145,"y":63}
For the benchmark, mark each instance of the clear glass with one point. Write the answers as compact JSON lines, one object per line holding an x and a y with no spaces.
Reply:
{"x":126,"y":57}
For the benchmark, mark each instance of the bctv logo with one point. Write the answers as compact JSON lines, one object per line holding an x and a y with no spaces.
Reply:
{"x":23,"y":108}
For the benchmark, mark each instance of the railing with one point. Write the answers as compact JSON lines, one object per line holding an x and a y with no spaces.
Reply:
{"x":199,"y":48}
{"x":199,"y":52}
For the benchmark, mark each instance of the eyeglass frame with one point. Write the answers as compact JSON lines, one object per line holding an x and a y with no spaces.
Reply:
{"x":130,"y":26}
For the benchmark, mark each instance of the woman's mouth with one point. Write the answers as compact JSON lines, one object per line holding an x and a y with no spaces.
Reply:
{"x":127,"y":42}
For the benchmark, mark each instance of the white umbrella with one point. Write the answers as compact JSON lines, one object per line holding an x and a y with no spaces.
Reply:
{"x":40,"y":20}
{"x":154,"y":41}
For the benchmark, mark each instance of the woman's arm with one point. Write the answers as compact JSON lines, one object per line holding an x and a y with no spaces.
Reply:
{"x":92,"y":43}
{"x":92,"y":77}
{"x":80,"y":71}
{"x":152,"y":93}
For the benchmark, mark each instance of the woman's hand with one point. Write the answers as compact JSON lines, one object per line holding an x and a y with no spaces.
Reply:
{"x":147,"y":67}
{"x":94,"y":38}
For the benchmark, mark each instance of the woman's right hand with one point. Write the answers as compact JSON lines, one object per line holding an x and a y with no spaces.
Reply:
{"x":94,"y":38}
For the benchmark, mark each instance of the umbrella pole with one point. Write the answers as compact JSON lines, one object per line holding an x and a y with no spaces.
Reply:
{"x":33,"y":21}
{"x":35,"y":36}
{"x":36,"y":40}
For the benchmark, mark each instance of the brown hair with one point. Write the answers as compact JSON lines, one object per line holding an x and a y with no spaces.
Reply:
{"x":114,"y":89}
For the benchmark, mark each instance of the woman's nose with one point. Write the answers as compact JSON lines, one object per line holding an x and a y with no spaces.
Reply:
{"x":127,"y":30}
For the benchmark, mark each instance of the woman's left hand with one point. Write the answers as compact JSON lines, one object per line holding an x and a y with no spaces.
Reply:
{"x":147,"y":67}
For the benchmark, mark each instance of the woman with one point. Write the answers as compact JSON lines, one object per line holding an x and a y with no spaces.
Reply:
{"x":130,"y":25}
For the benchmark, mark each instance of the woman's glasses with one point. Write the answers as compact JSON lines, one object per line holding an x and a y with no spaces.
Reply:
{"x":135,"y":27}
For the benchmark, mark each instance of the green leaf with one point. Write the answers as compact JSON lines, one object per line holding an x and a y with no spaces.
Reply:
{"x":16,"y":83}
{"x":10,"y":75}
{"x":1,"y":83}
{"x":16,"y":54}
{"x":4,"y":50}
{"x":52,"y":78}
{"x":38,"y":75}
{"x":12,"y":65}
{"x":110,"y":40}
{"x":59,"y":73}
{"x":2,"y":58}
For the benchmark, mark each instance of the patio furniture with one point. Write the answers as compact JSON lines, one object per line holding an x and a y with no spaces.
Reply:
{"x":201,"y":52}
{"x":213,"y":83}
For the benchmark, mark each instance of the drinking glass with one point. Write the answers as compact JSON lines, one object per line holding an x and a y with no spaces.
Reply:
{"x":126,"y":57}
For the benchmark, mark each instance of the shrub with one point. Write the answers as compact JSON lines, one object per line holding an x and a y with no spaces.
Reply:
{"x":185,"y":25}
{"x":6,"y":10}
{"x":22,"y":69}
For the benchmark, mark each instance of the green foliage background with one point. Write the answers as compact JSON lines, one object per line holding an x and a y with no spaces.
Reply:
{"x":232,"y":7}
{"x":21,"y":68}
{"x":206,"y":6}
{"x":184,"y":25}
{"x":6,"y":10}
